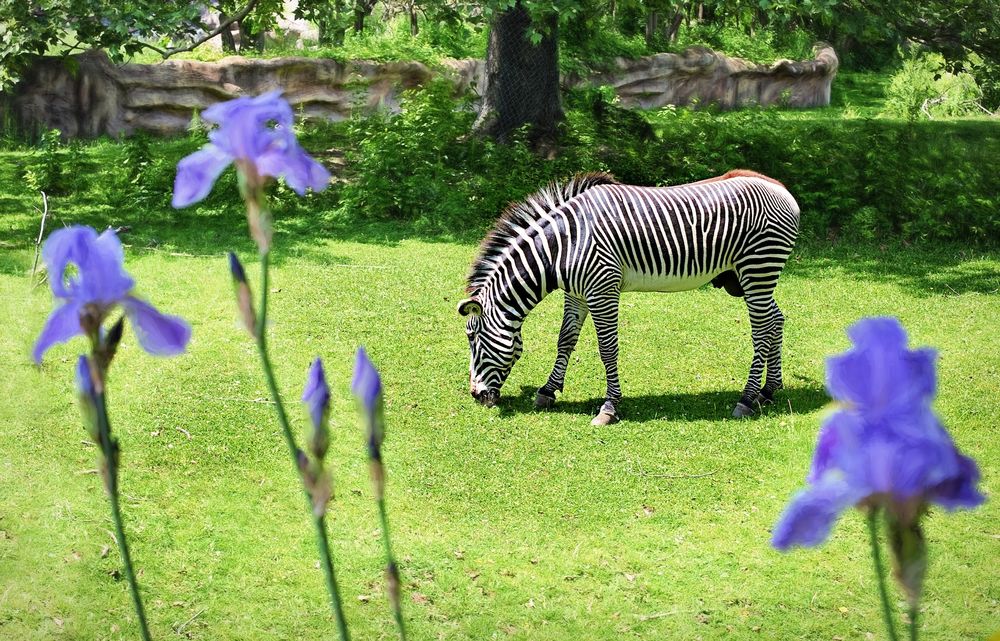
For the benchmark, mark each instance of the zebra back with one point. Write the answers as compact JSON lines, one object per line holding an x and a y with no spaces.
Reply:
{"x":519,"y":215}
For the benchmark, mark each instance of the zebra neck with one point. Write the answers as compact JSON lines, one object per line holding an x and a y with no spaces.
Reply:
{"x":523,"y":276}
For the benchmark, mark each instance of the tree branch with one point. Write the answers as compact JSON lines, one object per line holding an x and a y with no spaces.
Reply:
{"x":166,"y":53}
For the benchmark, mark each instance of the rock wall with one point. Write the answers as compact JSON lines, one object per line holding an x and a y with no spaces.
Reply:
{"x":703,"y":77}
{"x":90,"y":96}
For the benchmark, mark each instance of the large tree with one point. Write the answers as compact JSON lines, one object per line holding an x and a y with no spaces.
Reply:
{"x":522,"y":74}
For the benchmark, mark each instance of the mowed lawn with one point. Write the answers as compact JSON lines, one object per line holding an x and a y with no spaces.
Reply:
{"x":509,"y":523}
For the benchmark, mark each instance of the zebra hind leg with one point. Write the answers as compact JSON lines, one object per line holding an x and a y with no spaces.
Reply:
{"x":762,"y":326}
{"x":574,"y":313}
{"x":604,"y":308}
{"x":773,"y":383}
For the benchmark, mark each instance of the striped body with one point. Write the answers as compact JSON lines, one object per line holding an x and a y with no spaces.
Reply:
{"x":594,"y":238}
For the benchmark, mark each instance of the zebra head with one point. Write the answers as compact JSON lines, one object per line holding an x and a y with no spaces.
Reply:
{"x":495,"y":345}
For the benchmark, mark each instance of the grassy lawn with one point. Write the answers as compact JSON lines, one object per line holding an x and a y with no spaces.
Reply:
{"x":509,"y":523}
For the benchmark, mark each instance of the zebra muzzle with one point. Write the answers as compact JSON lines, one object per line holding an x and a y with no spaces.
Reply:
{"x":489,"y":397}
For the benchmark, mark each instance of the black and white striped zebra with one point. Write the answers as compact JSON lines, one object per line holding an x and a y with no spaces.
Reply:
{"x":595,"y":238}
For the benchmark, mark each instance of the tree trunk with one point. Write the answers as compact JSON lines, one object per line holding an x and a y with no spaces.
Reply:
{"x":675,"y":25}
{"x":522,"y":80}
{"x":414,"y":27}
{"x":228,"y":41}
{"x":362,"y":9}
{"x":652,"y":19}
{"x":249,"y":39}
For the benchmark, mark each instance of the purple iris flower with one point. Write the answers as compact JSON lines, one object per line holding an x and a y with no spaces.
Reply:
{"x":316,"y":394}
{"x":99,"y":284}
{"x":252,"y":131}
{"x":366,"y":384}
{"x":884,"y":446}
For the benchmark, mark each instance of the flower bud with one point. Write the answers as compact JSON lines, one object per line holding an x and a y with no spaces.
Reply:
{"x":316,"y":396}
{"x":109,"y":344}
{"x":244,"y":299}
{"x":88,"y":398}
{"x":236,"y":268}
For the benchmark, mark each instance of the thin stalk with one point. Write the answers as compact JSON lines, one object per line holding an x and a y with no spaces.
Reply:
{"x":914,"y":611}
{"x":880,"y":574}
{"x":331,"y":577}
{"x":265,"y":360}
{"x":397,"y":611}
{"x":111,"y":480}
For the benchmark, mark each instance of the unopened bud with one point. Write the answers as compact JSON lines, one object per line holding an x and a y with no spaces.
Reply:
{"x":303,"y":462}
{"x":114,"y":335}
{"x":88,"y":399}
{"x":236,"y":268}
{"x":374,"y":443}
{"x":109,"y":344}
{"x":244,"y":299}
{"x":316,"y":396}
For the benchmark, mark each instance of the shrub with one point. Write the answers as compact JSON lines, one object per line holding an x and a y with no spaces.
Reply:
{"x":45,"y":171}
{"x":764,"y":46}
{"x":923,"y":87}
{"x":866,"y":179}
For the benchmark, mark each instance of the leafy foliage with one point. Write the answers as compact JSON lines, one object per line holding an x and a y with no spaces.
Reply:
{"x":64,"y":26}
{"x":865,"y":179}
{"x":924,"y":88}
{"x":46,"y":170}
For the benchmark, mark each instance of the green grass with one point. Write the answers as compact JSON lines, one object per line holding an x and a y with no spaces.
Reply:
{"x":508,"y":523}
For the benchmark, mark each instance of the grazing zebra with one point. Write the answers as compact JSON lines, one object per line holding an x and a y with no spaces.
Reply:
{"x":595,"y":238}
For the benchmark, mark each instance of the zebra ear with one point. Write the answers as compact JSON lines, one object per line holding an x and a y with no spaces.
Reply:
{"x":470,"y":306}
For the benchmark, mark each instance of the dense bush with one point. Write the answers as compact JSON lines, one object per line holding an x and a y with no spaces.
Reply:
{"x":924,"y":88}
{"x":871,"y":179}
{"x":875,"y":179}
{"x":763,"y":46}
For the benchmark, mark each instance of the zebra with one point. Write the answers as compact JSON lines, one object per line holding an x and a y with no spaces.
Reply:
{"x":595,"y":238}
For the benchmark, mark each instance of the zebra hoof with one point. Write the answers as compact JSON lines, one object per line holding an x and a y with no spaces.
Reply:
{"x":544,"y":401}
{"x":604,"y":418}
{"x":742,"y":411}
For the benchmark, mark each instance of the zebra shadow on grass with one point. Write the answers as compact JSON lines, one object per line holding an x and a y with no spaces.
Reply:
{"x":800,"y":397}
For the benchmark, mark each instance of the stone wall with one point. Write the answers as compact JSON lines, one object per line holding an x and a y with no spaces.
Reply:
{"x":93,"y":97}
{"x":702,"y":76}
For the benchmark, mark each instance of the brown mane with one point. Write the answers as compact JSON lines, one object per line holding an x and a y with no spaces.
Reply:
{"x":739,"y":173}
{"x":519,"y":215}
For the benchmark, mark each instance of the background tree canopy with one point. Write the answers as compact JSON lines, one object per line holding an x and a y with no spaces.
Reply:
{"x":547,"y":35}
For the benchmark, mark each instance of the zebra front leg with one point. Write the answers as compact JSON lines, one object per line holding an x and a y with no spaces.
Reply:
{"x":604,"y":309}
{"x":761,"y":326}
{"x":574,"y":313}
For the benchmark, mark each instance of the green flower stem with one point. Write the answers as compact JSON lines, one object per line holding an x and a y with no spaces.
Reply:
{"x":111,"y":484}
{"x":880,"y":574}
{"x":397,"y":611}
{"x":331,"y":577}
{"x":265,"y":360}
{"x":914,"y":611}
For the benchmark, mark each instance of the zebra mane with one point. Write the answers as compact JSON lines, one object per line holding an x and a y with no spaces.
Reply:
{"x":519,"y":215}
